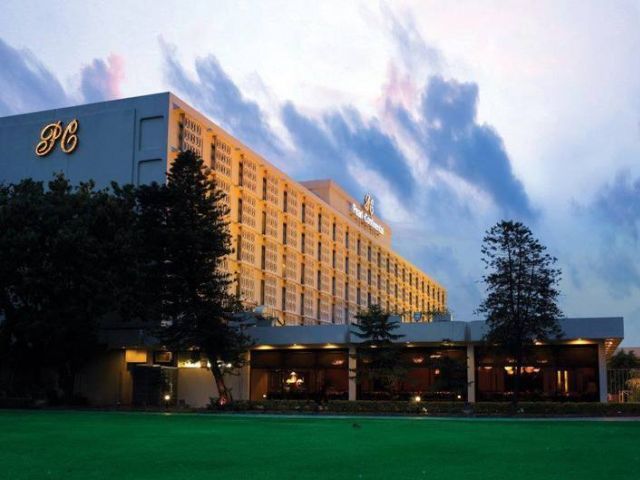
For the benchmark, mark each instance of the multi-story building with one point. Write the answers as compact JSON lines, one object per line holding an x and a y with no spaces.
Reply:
{"x":307,"y":252}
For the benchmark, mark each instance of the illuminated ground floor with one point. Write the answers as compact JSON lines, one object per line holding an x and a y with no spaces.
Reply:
{"x":439,"y":361}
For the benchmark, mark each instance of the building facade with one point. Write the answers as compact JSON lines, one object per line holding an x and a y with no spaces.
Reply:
{"x":308,"y":254}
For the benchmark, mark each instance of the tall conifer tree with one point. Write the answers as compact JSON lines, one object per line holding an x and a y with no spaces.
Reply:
{"x":522,"y":292}
{"x":198,"y":310}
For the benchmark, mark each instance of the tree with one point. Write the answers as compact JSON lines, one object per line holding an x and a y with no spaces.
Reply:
{"x":378,"y":355}
{"x":624,"y":360}
{"x":59,"y":250}
{"x":521,"y":292}
{"x":186,"y":222}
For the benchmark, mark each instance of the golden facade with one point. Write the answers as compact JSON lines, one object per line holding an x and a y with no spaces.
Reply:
{"x":306,"y":251}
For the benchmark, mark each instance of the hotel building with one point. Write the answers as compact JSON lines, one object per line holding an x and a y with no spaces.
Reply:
{"x":307,"y":255}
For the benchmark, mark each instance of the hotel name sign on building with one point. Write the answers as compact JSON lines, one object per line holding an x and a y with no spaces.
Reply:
{"x":50,"y":134}
{"x":365,"y":213}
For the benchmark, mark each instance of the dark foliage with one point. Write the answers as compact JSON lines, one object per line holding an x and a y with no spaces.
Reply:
{"x":185,"y":224}
{"x":60,"y":272}
{"x":624,"y":360}
{"x":378,"y":355}
{"x":521,"y":292}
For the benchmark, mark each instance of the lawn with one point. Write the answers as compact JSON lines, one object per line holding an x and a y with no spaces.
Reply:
{"x":111,"y":445}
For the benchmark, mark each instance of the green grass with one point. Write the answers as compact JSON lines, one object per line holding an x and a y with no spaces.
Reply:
{"x":104,"y":445}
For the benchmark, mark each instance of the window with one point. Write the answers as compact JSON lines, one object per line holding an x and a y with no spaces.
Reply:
{"x":346,"y":265}
{"x":284,"y":233}
{"x":333,"y":259}
{"x":333,"y":285}
{"x":240,"y":173}
{"x":346,"y":239}
{"x":319,"y":222}
{"x":264,"y":188}
{"x":239,"y":247}
{"x":334,"y":231}
{"x":239,"y":210}
{"x":285,"y":202}
{"x":302,"y":274}
{"x":319,"y":280}
{"x":262,"y":291}
{"x":319,"y":250}
{"x":369,"y":252}
{"x":264,"y":223}
{"x":304,"y":210}
{"x":284,"y":297}
{"x":302,"y":243}
{"x":302,"y":304}
{"x":264,"y":257}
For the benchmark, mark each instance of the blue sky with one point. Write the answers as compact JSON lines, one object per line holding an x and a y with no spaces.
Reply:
{"x":453,"y":114}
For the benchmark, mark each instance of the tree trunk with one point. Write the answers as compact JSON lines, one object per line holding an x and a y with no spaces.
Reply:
{"x":224,"y":394}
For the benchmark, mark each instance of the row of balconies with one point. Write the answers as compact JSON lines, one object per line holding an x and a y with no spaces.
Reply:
{"x":360,"y":273}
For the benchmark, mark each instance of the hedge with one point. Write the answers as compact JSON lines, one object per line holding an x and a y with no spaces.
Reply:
{"x":480,"y":409}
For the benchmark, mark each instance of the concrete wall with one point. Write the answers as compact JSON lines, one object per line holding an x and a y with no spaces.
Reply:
{"x":196,"y":386}
{"x":123,"y":140}
{"x":106,"y":380}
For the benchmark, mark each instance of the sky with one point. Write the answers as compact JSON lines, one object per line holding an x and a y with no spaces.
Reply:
{"x":453,"y":115}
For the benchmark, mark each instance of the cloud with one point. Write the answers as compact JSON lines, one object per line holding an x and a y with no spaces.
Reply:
{"x":446,"y":130}
{"x":457,"y":167}
{"x":26,"y":85}
{"x":100,"y":80}
{"x":615,"y":212}
{"x":618,"y":204}
{"x":340,"y":138}
{"x":214,"y":92}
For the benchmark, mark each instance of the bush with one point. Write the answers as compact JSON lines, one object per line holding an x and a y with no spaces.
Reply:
{"x":482,"y":409}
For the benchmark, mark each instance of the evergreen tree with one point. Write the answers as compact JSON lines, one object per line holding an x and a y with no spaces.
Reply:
{"x":378,"y":355}
{"x":521,"y":292}
{"x":187,"y":219}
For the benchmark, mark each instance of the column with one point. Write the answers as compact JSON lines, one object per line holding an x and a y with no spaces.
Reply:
{"x":471,"y":374}
{"x":602,"y":372}
{"x":246,"y":379}
{"x":352,"y":374}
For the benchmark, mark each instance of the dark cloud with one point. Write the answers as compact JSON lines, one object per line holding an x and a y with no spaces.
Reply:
{"x":451,"y":138}
{"x":27,"y":85}
{"x":100,"y":80}
{"x":340,"y":138}
{"x":214,"y":92}
{"x":616,"y":211}
{"x":618,"y":204}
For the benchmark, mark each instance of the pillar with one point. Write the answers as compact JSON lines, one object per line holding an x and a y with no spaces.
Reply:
{"x":471,"y":374}
{"x":602,"y":372}
{"x":246,"y":379}
{"x":352,"y":373}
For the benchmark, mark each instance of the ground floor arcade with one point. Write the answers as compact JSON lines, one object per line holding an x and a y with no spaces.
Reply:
{"x":439,"y":361}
